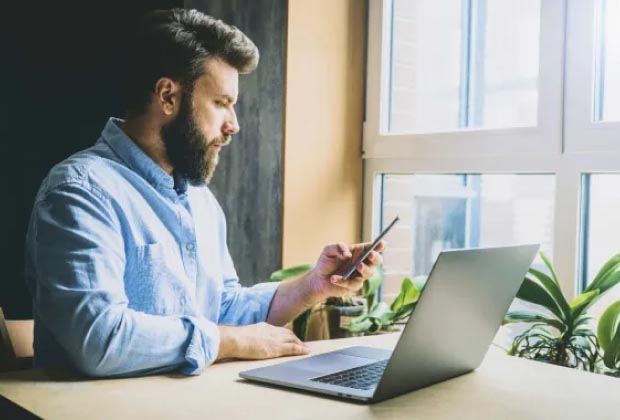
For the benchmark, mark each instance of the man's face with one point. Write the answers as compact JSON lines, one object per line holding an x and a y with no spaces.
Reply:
{"x":205,"y":122}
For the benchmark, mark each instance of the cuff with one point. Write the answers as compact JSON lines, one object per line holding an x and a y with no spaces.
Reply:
{"x":203,"y":347}
{"x":262,"y":294}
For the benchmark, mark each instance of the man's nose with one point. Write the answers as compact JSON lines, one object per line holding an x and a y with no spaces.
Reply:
{"x":231,"y":126}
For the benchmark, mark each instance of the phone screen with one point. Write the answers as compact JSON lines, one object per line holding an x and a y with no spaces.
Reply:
{"x":351,"y":270}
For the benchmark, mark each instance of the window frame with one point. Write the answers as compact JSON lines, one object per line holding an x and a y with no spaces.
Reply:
{"x":546,"y":138}
{"x":501,"y":151}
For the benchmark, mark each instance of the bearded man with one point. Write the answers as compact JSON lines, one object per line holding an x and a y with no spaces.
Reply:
{"x":127,"y":258}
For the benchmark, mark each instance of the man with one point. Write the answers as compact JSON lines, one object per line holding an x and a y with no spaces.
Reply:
{"x":126,"y":249}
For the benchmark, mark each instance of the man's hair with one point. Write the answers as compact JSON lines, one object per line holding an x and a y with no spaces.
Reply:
{"x":175,"y":43}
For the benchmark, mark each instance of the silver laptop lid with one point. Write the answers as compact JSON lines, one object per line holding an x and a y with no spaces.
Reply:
{"x":467,"y":294}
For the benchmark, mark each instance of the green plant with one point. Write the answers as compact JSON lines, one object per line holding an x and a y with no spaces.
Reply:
{"x":381,"y":316}
{"x":561,"y":333}
{"x":608,"y":333}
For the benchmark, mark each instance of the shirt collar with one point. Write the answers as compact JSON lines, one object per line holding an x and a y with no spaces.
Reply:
{"x":133,"y":156}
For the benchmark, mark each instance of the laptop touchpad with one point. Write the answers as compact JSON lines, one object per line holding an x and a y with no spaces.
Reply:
{"x":330,"y":362}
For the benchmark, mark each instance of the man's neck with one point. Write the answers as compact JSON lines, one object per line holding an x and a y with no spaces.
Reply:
{"x":148,"y":138}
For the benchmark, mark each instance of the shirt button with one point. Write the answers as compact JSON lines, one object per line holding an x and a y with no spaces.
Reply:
{"x":190,"y":246}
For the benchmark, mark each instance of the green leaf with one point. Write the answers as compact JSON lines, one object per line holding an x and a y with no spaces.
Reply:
{"x":381,"y":311}
{"x":608,"y":325}
{"x":550,"y":267}
{"x":553,"y":288}
{"x":612,"y":354}
{"x":581,"y":320}
{"x":533,"y":292}
{"x":361,"y":325}
{"x":404,"y":311}
{"x":408,"y":294}
{"x":522,"y":316}
{"x":581,"y":302}
{"x":287,"y":273}
{"x":583,"y":332}
{"x":608,"y":282}
{"x":370,"y":287}
{"x":374,"y":327}
{"x":581,"y":340}
{"x":610,"y":266}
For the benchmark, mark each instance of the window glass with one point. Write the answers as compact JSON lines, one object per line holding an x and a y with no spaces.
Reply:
{"x":600,"y":231}
{"x":607,"y":61}
{"x":463,"y":64}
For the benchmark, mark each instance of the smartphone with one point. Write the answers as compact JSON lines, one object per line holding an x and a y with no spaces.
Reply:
{"x":353,"y":268}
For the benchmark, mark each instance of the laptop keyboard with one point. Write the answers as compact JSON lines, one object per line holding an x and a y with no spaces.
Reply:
{"x":363,"y":377}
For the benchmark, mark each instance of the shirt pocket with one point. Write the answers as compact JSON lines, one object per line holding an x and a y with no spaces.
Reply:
{"x":155,"y":280}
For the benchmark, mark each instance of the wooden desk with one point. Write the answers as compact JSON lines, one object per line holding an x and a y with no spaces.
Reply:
{"x":502,"y":388}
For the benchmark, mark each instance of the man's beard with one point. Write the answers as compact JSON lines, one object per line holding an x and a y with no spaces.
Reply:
{"x":188,"y":149}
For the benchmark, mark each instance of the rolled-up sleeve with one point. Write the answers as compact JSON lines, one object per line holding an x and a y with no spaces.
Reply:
{"x":244,"y":305}
{"x":78,"y":254}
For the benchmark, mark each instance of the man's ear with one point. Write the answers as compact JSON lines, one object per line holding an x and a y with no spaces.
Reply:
{"x":167,"y":95}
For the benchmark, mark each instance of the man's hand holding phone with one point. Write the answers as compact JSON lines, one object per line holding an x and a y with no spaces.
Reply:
{"x":342,"y":268}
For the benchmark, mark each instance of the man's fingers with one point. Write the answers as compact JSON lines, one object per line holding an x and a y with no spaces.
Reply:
{"x":293,"y":349}
{"x":381,"y":246}
{"x":362,"y":247}
{"x":374,"y":258}
{"x":290,"y":337}
{"x":352,"y":284}
{"x":364,"y":271}
{"x":339,"y":250}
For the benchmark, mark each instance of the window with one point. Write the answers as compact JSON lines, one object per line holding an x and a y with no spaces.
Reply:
{"x":494,"y":122}
{"x":459,"y":211}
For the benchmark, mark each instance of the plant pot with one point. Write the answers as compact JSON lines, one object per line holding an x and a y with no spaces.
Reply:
{"x":330,"y":321}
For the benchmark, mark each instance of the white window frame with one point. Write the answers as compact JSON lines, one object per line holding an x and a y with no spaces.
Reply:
{"x":560,"y":145}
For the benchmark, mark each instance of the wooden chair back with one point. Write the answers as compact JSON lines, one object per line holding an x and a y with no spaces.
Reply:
{"x":16,"y":343}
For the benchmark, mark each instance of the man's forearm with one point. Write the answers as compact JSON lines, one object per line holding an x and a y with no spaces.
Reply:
{"x":292,"y":298}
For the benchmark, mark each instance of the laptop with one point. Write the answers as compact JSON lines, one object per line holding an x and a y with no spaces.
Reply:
{"x":464,"y":301}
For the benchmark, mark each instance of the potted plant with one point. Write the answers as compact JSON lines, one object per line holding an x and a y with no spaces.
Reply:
{"x":561,"y":333}
{"x":379,"y":316}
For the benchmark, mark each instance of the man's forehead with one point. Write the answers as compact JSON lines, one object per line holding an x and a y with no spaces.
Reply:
{"x":220,"y":78}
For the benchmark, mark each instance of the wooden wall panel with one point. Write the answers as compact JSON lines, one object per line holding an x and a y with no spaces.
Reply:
{"x":323,"y":126}
{"x":248,"y":180}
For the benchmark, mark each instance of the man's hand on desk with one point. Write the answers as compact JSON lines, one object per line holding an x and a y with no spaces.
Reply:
{"x":259,"y":341}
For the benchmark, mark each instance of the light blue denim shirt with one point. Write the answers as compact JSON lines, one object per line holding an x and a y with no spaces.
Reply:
{"x":130,"y":273}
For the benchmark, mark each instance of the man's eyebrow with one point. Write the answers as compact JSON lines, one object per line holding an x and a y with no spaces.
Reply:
{"x":228,"y":97}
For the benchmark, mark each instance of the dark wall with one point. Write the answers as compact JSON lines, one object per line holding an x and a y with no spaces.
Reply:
{"x":61,"y":68}
{"x":248,"y":181}
{"x":61,"y":72}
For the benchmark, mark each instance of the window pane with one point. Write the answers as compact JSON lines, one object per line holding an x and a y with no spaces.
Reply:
{"x":463,"y":64}
{"x":600,"y":230}
{"x":458,"y":211}
{"x":426,"y":42}
{"x":510,"y":91}
{"x":607,"y":61}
